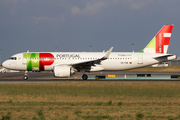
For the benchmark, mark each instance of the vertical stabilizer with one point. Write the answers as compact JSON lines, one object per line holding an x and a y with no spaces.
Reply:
{"x":160,"y":42}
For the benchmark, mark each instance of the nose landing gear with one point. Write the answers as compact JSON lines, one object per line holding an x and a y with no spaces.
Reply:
{"x":25,"y":75}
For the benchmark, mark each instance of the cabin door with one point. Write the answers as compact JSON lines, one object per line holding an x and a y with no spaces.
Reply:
{"x":140,"y":59}
{"x":24,"y":60}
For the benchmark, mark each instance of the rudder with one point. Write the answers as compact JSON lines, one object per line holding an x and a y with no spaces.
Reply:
{"x":160,"y":42}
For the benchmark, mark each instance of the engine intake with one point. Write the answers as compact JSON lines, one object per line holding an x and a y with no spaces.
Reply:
{"x":63,"y":71}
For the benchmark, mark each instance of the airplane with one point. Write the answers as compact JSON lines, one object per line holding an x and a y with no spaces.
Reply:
{"x":66,"y":64}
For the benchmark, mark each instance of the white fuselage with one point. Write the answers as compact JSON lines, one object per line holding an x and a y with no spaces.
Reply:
{"x":116,"y":60}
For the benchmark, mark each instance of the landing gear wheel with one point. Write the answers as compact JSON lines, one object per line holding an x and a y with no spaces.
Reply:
{"x":84,"y":77}
{"x":25,"y":77}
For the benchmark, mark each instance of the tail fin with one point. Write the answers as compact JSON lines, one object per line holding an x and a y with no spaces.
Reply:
{"x":160,"y":42}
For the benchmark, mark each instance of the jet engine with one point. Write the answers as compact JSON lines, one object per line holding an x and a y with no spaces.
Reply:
{"x":63,"y":71}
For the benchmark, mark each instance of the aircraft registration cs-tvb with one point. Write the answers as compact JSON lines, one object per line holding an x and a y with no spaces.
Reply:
{"x":65,"y":64}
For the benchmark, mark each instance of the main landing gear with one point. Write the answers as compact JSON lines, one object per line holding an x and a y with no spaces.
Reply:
{"x":84,"y":77}
{"x":25,"y":75}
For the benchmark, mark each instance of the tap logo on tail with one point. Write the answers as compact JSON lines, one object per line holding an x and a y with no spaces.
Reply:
{"x":160,"y":42}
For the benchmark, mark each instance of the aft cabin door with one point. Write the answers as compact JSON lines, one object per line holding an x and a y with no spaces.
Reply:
{"x":140,"y":59}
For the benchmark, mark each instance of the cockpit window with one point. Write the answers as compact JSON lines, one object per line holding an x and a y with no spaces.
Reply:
{"x":12,"y":58}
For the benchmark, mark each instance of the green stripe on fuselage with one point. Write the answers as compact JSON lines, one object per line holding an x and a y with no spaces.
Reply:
{"x":32,"y":61}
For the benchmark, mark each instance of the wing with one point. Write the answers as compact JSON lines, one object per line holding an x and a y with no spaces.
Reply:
{"x":90,"y":63}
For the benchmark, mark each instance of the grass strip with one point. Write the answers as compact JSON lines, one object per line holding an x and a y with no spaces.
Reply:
{"x":127,"y":100}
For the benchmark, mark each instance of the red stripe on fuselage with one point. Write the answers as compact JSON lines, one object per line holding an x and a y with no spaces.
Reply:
{"x":45,"y":60}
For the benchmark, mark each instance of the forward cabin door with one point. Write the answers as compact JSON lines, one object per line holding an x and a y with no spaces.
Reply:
{"x":24,"y":59}
{"x":140,"y":59}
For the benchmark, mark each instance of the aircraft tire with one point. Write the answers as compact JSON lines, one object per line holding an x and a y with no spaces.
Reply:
{"x":25,"y":77}
{"x":84,"y":77}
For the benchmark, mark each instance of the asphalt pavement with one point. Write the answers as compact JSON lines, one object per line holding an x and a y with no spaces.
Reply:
{"x":41,"y":77}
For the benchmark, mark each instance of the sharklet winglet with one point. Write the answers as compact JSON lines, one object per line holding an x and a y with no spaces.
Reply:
{"x":108,"y":53}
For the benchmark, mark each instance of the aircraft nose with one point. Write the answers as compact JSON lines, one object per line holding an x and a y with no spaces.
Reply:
{"x":5,"y":64}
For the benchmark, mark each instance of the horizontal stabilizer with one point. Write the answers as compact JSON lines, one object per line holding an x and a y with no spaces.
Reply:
{"x":167,"y":56}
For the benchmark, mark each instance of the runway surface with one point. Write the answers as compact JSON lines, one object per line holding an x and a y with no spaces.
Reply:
{"x":47,"y":77}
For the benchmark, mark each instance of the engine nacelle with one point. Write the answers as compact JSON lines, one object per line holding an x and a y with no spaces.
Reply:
{"x":63,"y":71}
